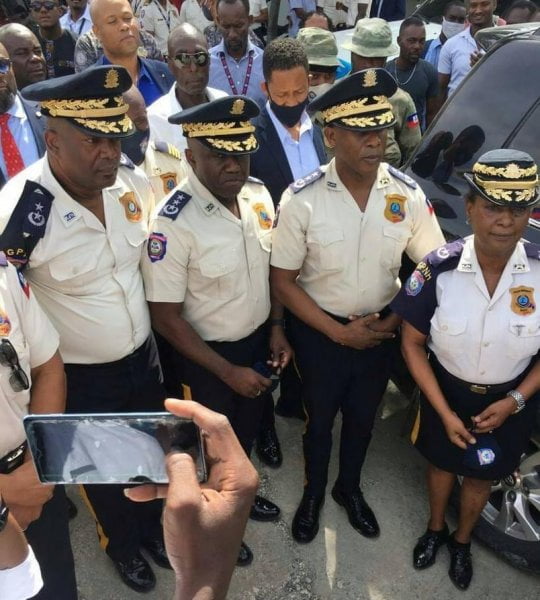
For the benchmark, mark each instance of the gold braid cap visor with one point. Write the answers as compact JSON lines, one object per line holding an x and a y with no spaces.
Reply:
{"x":355,"y":107}
{"x":208,"y":130}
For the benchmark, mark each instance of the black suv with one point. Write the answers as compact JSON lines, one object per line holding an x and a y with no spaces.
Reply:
{"x":496,"y":106}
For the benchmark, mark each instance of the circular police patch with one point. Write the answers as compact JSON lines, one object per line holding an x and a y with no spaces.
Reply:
{"x":414,"y":284}
{"x":157,"y":246}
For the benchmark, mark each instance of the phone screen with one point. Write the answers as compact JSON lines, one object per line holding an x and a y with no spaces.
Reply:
{"x":110,"y":448}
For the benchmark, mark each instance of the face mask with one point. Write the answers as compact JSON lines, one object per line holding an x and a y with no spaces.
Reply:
{"x":135,"y":145}
{"x":288,"y":115}
{"x":451,"y":29}
{"x":318,"y":90}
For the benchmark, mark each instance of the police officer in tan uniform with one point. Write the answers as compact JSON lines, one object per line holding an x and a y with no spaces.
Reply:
{"x":206,"y":273}
{"x":370,"y":46}
{"x":336,"y":255}
{"x":76,"y":222}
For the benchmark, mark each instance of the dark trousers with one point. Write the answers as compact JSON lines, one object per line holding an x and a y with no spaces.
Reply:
{"x":336,"y":377}
{"x":49,"y":538}
{"x":243,"y":413}
{"x":132,"y":384}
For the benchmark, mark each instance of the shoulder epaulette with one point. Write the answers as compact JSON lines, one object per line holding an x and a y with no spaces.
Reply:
{"x":303,"y":182}
{"x":27,"y":223}
{"x":3,"y":260}
{"x":255,"y":180}
{"x":402,"y":177}
{"x":166,"y":148}
{"x":125,"y":161}
{"x":446,"y":253}
{"x":532,"y":250}
{"x":174,"y":205}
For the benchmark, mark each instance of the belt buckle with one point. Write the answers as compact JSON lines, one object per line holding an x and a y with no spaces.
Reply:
{"x":478,"y":389}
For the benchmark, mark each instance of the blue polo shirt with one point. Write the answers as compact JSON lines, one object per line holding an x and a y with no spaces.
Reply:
{"x":146,"y":85}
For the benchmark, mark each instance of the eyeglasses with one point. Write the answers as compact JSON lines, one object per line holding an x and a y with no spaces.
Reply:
{"x":184,"y":59}
{"x":5,"y":65}
{"x":47,"y":5}
{"x":9,"y":358}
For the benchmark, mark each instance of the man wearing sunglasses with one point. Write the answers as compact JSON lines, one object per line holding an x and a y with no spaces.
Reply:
{"x":21,"y":125}
{"x":82,"y":254}
{"x":32,"y":380}
{"x":58,"y":44}
{"x":189,"y":63}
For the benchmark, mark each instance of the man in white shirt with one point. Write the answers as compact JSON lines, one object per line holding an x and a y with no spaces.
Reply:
{"x":159,"y":18}
{"x":189,"y":62}
{"x":77,"y":19}
{"x":191,"y":12}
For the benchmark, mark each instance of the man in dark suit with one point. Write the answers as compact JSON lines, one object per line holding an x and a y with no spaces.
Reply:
{"x":117,"y":29}
{"x":290,"y":147}
{"x":21,"y":125}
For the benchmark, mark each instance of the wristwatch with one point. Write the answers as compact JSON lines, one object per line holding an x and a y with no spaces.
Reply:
{"x":4,"y":513}
{"x":519,"y":398}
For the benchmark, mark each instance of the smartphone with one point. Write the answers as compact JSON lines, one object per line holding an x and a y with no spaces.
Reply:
{"x":272,"y":373}
{"x":110,"y":447}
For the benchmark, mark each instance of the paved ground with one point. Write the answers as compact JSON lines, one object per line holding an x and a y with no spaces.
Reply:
{"x":339,"y":564}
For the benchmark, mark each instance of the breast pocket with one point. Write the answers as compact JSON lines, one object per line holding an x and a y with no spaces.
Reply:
{"x":220,"y":270}
{"x":524,"y":338}
{"x":448,"y":334}
{"x":75,"y":273}
{"x":393,"y":245}
{"x":328,"y":247}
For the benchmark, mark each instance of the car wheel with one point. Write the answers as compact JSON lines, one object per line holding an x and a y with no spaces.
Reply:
{"x":510,"y":521}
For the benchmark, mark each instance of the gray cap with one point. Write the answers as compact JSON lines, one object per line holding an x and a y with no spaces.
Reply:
{"x":320,"y":46}
{"x":372,"y":38}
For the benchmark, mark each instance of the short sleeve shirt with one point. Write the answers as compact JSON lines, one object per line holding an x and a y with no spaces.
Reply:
{"x":455,"y":58}
{"x":86,"y":276}
{"x":25,"y":325}
{"x":159,"y":21}
{"x":349,"y":260}
{"x":217,"y":265}
{"x":478,"y":338}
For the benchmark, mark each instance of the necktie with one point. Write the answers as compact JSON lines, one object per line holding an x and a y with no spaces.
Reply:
{"x":12,"y":156}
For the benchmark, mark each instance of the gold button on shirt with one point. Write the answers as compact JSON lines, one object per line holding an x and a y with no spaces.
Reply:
{"x":86,"y":276}
{"x":349,"y":260}
{"x":213,"y":262}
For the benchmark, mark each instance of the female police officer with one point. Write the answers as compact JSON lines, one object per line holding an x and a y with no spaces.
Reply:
{"x":473,"y":301}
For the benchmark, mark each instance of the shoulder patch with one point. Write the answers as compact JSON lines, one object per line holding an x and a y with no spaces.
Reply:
{"x":125,"y":161}
{"x":166,"y":148}
{"x":174,"y":205}
{"x":27,"y":223}
{"x":402,"y":177}
{"x":255,"y":180}
{"x":532,"y":250}
{"x":447,"y":253}
{"x":303,"y":182}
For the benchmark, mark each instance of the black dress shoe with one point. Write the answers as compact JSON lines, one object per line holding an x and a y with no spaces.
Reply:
{"x":136,"y":573}
{"x":461,"y":570}
{"x":305,"y":525}
{"x":156,"y":549}
{"x":264,"y":510}
{"x":245,"y":556}
{"x":360,"y":515}
{"x":426,"y":548}
{"x":268,"y":449}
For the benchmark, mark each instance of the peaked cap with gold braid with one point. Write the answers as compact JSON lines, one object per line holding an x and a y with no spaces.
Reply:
{"x":358,"y":102}
{"x":91,"y":100}
{"x":505,"y":177}
{"x":223,"y":124}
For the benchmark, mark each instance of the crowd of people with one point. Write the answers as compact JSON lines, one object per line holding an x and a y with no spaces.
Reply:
{"x":190,"y":210}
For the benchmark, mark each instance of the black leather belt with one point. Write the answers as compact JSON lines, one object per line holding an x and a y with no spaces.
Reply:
{"x":12,"y":459}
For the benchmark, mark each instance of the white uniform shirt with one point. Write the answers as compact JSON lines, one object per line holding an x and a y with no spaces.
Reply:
{"x":349,"y":260}
{"x":255,"y":8}
{"x":164,"y":169}
{"x":159,"y":21}
{"x":85,"y":276}
{"x":481,"y":339}
{"x":160,"y":110}
{"x":191,"y":12}
{"x":330,"y":10}
{"x":214,"y":263}
{"x":79,"y":27}
{"x":23,"y":581}
{"x":24,"y":324}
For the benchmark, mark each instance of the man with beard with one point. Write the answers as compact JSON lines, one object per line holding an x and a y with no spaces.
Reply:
{"x":189,"y":62}
{"x":76,"y":222}
{"x":118,"y":31}
{"x":414,"y":74}
{"x":455,"y":56}
{"x":236,"y":63}
{"x":25,"y":53}
{"x":21,"y":125}
{"x":337,"y":250}
{"x":77,"y":19}
{"x":206,"y":274}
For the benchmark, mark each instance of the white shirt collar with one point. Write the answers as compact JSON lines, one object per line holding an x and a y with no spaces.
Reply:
{"x":85,"y":15}
{"x":468,"y":262}
{"x":17,"y":109}
{"x":306,"y":125}
{"x":221,"y":48}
